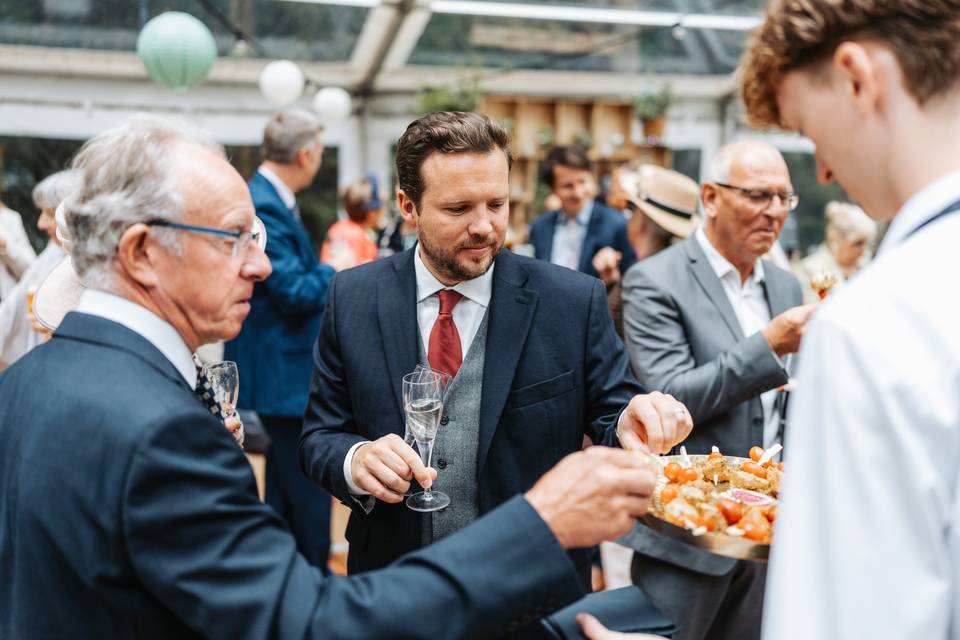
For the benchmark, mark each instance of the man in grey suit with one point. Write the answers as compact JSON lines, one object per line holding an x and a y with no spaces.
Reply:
{"x":712,"y":324}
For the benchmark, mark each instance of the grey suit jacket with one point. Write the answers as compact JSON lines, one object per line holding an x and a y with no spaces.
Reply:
{"x":684,"y":339}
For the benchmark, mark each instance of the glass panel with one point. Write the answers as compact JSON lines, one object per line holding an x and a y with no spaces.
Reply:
{"x":475,"y":41}
{"x":283,"y":29}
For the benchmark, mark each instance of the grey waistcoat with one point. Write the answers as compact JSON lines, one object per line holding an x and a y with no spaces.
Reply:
{"x":455,"y":449}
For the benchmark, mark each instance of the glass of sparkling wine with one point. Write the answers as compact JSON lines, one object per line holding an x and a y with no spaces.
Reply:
{"x":423,"y":406}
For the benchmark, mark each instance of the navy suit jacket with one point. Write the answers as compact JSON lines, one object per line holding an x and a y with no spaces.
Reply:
{"x":607,"y":228}
{"x":554,"y":370}
{"x":273,"y":349}
{"x":128,"y":511}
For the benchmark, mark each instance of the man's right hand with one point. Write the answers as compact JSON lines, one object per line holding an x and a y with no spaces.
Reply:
{"x":385,"y":467}
{"x":606,"y":262}
{"x":593,"y":495}
{"x":784,"y":332}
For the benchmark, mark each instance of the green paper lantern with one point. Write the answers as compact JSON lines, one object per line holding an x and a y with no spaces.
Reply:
{"x":177,"y":50}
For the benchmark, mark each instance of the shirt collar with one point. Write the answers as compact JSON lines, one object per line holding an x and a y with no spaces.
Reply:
{"x":720,"y":265}
{"x":923,"y":205}
{"x":476,"y":289}
{"x":583,"y":216}
{"x":285,"y":193}
{"x":145,"y":323}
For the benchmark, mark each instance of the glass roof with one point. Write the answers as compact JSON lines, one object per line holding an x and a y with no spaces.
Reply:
{"x":299,"y":31}
{"x":479,"y":41}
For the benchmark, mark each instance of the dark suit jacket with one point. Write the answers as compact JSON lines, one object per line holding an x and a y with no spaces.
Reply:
{"x":684,"y":339}
{"x":273,"y":349}
{"x":607,"y":228}
{"x":126,"y":510}
{"x":554,"y":370}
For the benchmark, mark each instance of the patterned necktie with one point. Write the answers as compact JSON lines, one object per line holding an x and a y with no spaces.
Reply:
{"x":444,"y":352}
{"x":204,"y":389}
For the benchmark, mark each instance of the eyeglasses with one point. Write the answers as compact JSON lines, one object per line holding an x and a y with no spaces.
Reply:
{"x":240,"y":241}
{"x":761,"y":198}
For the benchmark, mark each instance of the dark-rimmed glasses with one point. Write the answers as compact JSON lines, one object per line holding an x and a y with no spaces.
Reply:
{"x":762,"y":199}
{"x":241,"y":239}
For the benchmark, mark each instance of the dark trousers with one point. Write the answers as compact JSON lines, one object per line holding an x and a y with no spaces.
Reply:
{"x":705,"y":607}
{"x":295,"y":498}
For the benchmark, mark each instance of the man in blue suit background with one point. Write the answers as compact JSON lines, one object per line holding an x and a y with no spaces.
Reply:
{"x":571,"y":235}
{"x":273,"y":350}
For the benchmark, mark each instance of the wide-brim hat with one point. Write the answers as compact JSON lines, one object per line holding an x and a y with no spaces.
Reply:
{"x":667,"y":197}
{"x":60,"y":291}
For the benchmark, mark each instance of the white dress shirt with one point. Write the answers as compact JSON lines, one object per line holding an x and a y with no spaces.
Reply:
{"x":467,"y":315}
{"x":286,"y":194}
{"x":17,"y":336}
{"x":867,"y":540}
{"x":568,"y":237}
{"x":16,"y":255}
{"x":151,"y":327}
{"x":750,"y":306}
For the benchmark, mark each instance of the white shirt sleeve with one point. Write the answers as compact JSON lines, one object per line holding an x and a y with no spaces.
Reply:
{"x":363,"y":498}
{"x":863,"y":546}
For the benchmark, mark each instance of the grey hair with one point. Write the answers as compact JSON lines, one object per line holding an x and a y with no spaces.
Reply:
{"x":850,"y":221}
{"x":52,"y":190}
{"x":286,"y":133}
{"x":128,"y":177}
{"x":719,"y":168}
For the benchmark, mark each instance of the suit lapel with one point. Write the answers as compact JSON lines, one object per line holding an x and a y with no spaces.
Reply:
{"x":778,"y":299}
{"x":397,"y":315}
{"x":710,"y":283}
{"x":510,"y":315}
{"x":590,"y":238}
{"x":545,"y":240}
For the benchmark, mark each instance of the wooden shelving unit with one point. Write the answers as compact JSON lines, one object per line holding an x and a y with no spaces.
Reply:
{"x":607,"y":128}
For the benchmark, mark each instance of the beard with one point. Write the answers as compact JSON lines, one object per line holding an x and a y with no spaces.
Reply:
{"x":454,"y":267}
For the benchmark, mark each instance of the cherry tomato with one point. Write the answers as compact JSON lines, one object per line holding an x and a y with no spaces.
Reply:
{"x":753,"y":532}
{"x":754,"y":468}
{"x":706,"y":522}
{"x":671,"y":471}
{"x":756,"y":453}
{"x":668,"y":494}
{"x":771,"y":513}
{"x":732,"y":511}
{"x":689,"y":475}
{"x":715,"y":455}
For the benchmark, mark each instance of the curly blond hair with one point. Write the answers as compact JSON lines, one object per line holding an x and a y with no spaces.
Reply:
{"x":924,"y":35}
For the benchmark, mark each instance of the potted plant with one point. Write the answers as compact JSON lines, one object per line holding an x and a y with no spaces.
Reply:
{"x":466,"y":96}
{"x":651,"y":108}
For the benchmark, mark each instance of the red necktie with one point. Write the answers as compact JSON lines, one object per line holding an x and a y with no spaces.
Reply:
{"x":444,"y":350}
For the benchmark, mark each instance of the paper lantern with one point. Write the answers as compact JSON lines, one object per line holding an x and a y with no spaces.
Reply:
{"x":177,"y":50}
{"x":281,"y":82}
{"x":332,"y":105}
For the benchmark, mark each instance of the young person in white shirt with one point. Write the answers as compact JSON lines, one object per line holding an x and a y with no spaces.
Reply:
{"x":867,"y":541}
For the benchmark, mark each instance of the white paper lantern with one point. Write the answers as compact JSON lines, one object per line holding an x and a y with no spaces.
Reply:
{"x":281,"y":82}
{"x":332,"y":105}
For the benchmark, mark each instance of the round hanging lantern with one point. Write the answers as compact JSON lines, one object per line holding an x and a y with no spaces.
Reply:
{"x":281,"y":82}
{"x":332,"y":105}
{"x":177,"y":50}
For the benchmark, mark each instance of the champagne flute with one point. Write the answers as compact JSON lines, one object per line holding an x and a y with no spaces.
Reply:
{"x":225,"y":382}
{"x":423,"y":406}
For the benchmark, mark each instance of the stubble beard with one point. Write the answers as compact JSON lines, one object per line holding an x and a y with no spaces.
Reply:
{"x":451,"y":267}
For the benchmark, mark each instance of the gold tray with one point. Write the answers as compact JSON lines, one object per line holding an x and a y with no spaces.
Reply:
{"x":717,"y":543}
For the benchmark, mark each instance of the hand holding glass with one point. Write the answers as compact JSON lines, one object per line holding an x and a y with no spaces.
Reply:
{"x":423,"y":406}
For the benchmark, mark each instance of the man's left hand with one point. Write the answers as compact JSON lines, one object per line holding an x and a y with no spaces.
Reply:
{"x":593,"y":630}
{"x":659,"y":420}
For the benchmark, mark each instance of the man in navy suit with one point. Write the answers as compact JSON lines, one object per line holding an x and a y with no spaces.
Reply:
{"x":535,"y":360}
{"x":128,"y":511}
{"x":273,"y":349}
{"x":571,"y":235}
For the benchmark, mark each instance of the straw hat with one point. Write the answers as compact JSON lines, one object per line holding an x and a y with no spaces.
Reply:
{"x":665,"y":196}
{"x":60,"y":291}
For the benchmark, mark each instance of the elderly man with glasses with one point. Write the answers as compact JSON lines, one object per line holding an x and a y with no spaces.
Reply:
{"x":711,"y":323}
